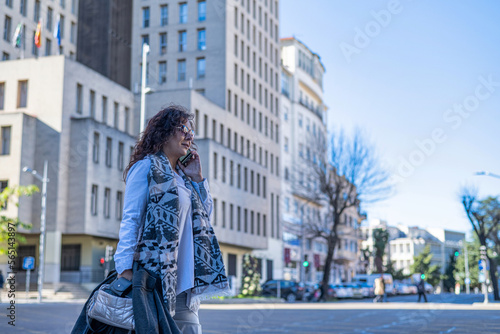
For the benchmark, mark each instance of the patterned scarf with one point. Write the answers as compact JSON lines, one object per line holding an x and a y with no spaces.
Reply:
{"x":159,"y":243}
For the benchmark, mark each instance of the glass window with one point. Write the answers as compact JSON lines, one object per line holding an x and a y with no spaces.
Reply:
{"x":200,"y":65}
{"x":95,"y":148}
{"x":73,"y":33}
{"x":104,"y":109}
{"x":201,"y":39}
{"x":163,"y":15}
{"x":183,"y":12}
{"x":22,"y":94}
{"x":49,"y":19}
{"x":36,"y":13}
{"x":93,"y":200}
{"x":202,"y":10}
{"x":107,"y":200}
{"x":5,"y":137}
{"x":116,"y":115}
{"x":119,"y":205}
{"x":22,"y":8}
{"x":120,"y":156}
{"x":2,"y":95}
{"x":181,"y":70}
{"x":145,"y":17}
{"x":92,"y":104}
{"x":162,"y":69}
{"x":79,"y":101}
{"x":182,"y":41}
{"x":48,"y":47}
{"x":163,"y":43}
{"x":109,"y":145}
{"x":7,"y":28}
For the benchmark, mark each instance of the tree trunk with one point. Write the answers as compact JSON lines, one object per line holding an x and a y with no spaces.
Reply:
{"x":493,"y":277}
{"x":328,"y":263}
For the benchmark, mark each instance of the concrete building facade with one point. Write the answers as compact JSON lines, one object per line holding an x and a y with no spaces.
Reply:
{"x":220,"y":59}
{"x":58,"y":110}
{"x":28,"y":14}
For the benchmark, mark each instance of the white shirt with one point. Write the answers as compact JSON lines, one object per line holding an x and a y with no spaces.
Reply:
{"x":134,"y":209}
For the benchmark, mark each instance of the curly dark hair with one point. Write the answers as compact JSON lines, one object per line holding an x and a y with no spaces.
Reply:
{"x":160,"y":128}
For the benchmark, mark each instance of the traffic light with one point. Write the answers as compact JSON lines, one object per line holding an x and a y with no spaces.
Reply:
{"x":305,"y":264}
{"x":422,"y":276}
{"x":457,"y":253}
{"x":101,"y":261}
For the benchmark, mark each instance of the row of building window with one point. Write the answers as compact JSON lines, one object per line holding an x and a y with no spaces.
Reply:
{"x":22,"y":94}
{"x":181,"y":70}
{"x":182,"y":41}
{"x":92,"y":108}
{"x":106,"y":205}
{"x":246,"y":220}
{"x":269,"y":25}
{"x":270,"y":76}
{"x":96,"y":144}
{"x":269,"y":128}
{"x":230,"y":139}
{"x":164,"y":12}
{"x":394,"y":248}
{"x":235,"y":176}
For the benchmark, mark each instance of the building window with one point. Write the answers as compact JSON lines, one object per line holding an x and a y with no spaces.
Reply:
{"x":163,"y":15}
{"x":183,"y":12}
{"x":7,"y":27}
{"x":215,"y":166}
{"x":61,"y":26}
{"x":22,"y":8}
{"x":109,"y":143}
{"x":116,"y":115}
{"x":145,"y":17}
{"x":119,"y":205}
{"x":5,"y":138}
{"x":79,"y":101}
{"x":22,"y":93}
{"x":145,"y":40}
{"x":202,"y":45}
{"x":93,"y":200}
{"x":92,"y":104}
{"x":182,"y":41}
{"x":127,"y":120}
{"x":181,"y":70}
{"x":104,"y":109}
{"x":49,"y":19}
{"x":72,"y":37}
{"x":95,"y":148}
{"x":200,"y":66}
{"x":48,"y":47}
{"x":9,"y":3}
{"x":107,"y":200}
{"x":2,"y":95}
{"x":163,"y":43}
{"x":162,"y":70}
{"x":70,"y":257}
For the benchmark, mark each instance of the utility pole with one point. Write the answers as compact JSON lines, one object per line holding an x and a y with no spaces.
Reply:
{"x":484,"y":273}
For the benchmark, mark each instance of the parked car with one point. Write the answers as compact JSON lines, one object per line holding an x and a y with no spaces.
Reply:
{"x":428,"y":288}
{"x":290,"y":290}
{"x":357,"y":290}
{"x":402,"y":288}
{"x":341,"y":291}
{"x":367,"y":290}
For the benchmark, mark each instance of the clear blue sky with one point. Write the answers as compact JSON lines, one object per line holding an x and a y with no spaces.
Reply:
{"x":406,"y":78}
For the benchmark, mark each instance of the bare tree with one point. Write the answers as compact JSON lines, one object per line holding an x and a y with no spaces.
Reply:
{"x":484,"y":216}
{"x":337,"y":176}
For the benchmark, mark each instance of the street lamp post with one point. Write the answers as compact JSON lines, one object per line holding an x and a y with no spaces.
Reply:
{"x":144,"y":89}
{"x":44,"y":180}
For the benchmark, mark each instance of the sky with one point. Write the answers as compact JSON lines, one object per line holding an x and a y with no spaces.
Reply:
{"x":422,"y":81}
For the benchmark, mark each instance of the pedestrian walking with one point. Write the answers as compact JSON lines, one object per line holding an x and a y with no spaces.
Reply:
{"x":379,"y":289}
{"x":421,"y":290}
{"x":166,"y":235}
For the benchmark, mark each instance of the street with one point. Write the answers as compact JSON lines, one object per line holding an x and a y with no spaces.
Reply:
{"x":454,"y":314}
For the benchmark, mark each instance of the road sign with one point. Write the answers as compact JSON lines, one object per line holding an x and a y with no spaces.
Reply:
{"x":467,"y":281}
{"x":482,"y":278}
{"x":28,"y":263}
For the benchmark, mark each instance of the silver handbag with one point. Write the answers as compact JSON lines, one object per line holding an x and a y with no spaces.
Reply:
{"x":112,"y":304}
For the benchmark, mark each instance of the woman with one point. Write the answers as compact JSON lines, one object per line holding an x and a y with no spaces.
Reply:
{"x":166,"y":226}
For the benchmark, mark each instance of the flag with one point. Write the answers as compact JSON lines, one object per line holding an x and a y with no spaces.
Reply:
{"x":57,"y":30}
{"x":38,"y":35}
{"x":16,"y":41}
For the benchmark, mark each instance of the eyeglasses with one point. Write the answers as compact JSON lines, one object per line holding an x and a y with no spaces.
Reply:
{"x":185,"y":130}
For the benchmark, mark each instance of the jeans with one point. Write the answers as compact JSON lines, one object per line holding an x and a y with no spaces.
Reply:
{"x":187,"y":320}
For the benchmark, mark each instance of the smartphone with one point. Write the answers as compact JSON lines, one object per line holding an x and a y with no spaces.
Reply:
{"x":186,"y":158}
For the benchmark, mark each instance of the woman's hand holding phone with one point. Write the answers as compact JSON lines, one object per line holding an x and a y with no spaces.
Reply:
{"x":192,"y":167}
